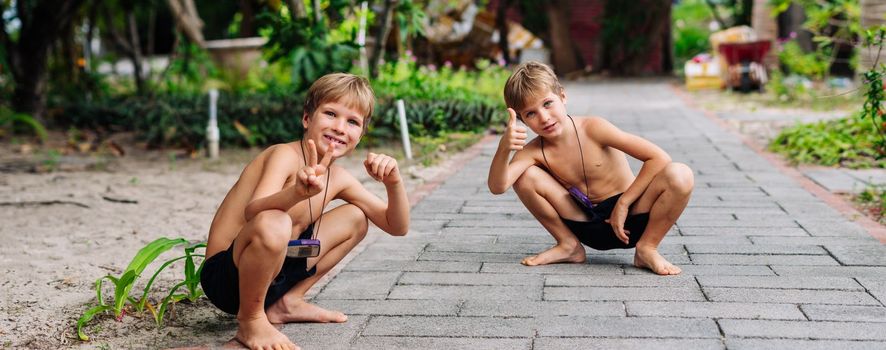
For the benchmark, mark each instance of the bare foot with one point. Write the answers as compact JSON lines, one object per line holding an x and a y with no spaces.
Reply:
{"x":649,"y":258}
{"x":557,"y":254}
{"x":302,"y":311}
{"x":259,"y":333}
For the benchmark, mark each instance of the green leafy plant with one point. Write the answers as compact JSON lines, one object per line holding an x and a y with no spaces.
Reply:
{"x":874,"y":94}
{"x":9,"y":120}
{"x":873,"y":200}
{"x":308,"y":47}
{"x":124,"y":283}
{"x":849,"y":142}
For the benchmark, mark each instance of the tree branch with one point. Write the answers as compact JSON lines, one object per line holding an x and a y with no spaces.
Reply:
{"x":298,"y":8}
{"x":716,"y":14}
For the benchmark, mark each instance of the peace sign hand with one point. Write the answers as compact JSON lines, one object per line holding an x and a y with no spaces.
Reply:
{"x":310,"y":177}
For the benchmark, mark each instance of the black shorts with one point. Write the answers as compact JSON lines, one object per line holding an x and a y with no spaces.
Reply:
{"x":220,"y":278}
{"x":598,"y":234}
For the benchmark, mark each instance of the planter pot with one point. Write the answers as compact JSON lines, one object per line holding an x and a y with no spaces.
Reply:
{"x":236,"y":56}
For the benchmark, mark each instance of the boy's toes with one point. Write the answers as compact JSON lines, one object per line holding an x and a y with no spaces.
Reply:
{"x":529,"y":260}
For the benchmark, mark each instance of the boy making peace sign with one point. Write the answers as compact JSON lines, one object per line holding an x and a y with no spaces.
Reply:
{"x":279,"y":197}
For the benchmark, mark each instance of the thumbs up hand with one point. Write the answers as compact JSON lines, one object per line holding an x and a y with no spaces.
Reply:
{"x":515,"y":135}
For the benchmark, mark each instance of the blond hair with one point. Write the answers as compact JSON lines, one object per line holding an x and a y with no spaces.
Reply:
{"x":530,"y":81}
{"x":351,"y":90}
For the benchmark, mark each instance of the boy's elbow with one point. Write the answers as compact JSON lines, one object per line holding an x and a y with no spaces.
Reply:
{"x":400,"y":232}
{"x":495,"y":189}
{"x":250,"y":211}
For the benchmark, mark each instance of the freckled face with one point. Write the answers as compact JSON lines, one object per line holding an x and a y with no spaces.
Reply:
{"x":336,"y":124}
{"x":545,"y":115}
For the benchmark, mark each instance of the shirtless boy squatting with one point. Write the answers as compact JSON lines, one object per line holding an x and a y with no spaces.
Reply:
{"x":586,"y":155}
{"x":279,"y":197}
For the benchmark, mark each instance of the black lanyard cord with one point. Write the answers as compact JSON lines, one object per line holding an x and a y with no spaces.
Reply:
{"x":580,"y":152}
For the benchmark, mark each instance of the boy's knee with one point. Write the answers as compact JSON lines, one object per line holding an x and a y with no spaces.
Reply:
{"x":680,"y":177}
{"x":273,"y":228}
{"x":358,"y":219}
{"x":527,"y":180}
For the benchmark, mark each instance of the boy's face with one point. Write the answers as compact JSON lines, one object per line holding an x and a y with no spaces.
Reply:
{"x":336,"y":124}
{"x":545,"y":115}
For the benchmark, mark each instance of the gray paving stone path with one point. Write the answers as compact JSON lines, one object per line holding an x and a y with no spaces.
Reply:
{"x":766,"y":265}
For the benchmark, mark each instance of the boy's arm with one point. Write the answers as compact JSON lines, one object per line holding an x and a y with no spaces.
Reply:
{"x":502,"y":173}
{"x":269,"y":192}
{"x":393,"y":216}
{"x":653,"y":157}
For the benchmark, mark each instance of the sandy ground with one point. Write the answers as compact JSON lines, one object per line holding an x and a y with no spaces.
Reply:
{"x":62,"y":230}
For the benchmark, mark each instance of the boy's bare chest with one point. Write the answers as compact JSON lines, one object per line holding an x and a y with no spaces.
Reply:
{"x":307,"y":211}
{"x":567,"y":164}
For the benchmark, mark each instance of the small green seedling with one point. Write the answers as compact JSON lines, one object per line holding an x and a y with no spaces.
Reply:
{"x":124,"y":283}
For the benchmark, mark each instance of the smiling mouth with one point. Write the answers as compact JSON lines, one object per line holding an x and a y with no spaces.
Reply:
{"x":549,"y":127}
{"x":334,"y":140}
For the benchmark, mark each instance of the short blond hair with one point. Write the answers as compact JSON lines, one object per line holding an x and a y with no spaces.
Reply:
{"x":351,"y":90}
{"x":530,"y":81}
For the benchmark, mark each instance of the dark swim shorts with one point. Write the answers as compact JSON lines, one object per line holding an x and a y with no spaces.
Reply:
{"x":221,"y":283}
{"x":598,"y":234}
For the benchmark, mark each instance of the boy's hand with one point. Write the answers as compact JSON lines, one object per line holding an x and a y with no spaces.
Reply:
{"x":515,"y":135}
{"x":617,"y":220}
{"x":382,"y":168}
{"x":310,"y":177}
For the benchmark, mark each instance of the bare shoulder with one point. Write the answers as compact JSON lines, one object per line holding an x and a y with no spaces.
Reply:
{"x":598,"y":128}
{"x":283,"y":152}
{"x":532,"y":150}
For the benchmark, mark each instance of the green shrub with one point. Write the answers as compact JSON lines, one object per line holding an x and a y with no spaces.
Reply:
{"x":274,"y":116}
{"x":849,"y":142}
{"x":690,"y":20}
{"x":809,"y":65}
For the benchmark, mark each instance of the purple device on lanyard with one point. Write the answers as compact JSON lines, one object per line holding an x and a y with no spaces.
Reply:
{"x":303,"y":248}
{"x":580,"y":197}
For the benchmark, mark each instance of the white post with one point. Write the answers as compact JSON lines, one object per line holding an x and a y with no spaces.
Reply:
{"x":361,"y":38}
{"x":212,"y":134}
{"x":404,"y":128}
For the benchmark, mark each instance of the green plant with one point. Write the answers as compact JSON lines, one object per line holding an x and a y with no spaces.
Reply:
{"x":874,"y":94}
{"x":191,"y":282}
{"x":806,"y":64}
{"x":690,"y":26}
{"x":832,"y":23}
{"x":849,"y":142}
{"x":124,"y":283}
{"x":9,"y":119}
{"x":308,"y":47}
{"x":51,"y":159}
{"x":873,"y":200}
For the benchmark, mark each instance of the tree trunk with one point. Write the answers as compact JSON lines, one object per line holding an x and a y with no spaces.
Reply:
{"x":381,"y":36}
{"x":667,"y":40}
{"x":247,"y":24}
{"x":188,"y":20}
{"x":41,"y":24}
{"x":297,"y":7}
{"x":136,"y":53}
{"x":767,"y":29}
{"x":501,"y":23}
{"x":563,"y":52}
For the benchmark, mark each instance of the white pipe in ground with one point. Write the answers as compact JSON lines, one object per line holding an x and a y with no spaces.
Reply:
{"x":212,"y":134}
{"x":404,"y":129}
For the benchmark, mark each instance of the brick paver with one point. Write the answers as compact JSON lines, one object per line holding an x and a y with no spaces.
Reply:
{"x":766,"y":264}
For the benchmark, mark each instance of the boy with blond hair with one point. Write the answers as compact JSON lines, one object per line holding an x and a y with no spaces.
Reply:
{"x":279,"y":197}
{"x":575,"y":179}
